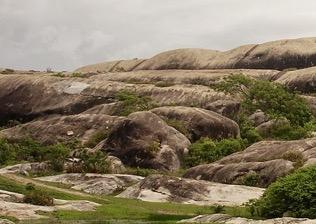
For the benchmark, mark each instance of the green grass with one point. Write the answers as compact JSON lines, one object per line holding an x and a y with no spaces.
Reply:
{"x":125,"y":210}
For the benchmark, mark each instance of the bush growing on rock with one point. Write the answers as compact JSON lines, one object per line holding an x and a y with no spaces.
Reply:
{"x":32,"y":151}
{"x":274,"y":100}
{"x":93,"y":162}
{"x":132,"y":102}
{"x":206,"y":150}
{"x":294,"y":194}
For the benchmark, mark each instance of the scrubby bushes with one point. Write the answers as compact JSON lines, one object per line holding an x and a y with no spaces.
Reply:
{"x":293,"y":195}
{"x":206,"y":150}
{"x":132,"y":102}
{"x":37,"y":197}
{"x":275,"y":101}
{"x":93,"y":162}
{"x":32,"y":151}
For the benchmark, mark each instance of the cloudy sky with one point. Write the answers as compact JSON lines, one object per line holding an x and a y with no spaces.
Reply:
{"x":65,"y":34}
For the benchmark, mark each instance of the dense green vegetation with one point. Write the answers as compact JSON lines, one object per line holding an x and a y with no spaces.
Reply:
{"x":294,"y":195}
{"x":206,"y":150}
{"x":132,"y":102}
{"x":275,"y":101}
{"x":32,"y":151}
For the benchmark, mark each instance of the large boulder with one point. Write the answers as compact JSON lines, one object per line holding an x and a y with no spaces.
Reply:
{"x":261,"y":164}
{"x":100,"y":184}
{"x":145,"y":140}
{"x":198,"y":122}
{"x":63,"y":128}
{"x":159,"y":188}
{"x":303,"y":80}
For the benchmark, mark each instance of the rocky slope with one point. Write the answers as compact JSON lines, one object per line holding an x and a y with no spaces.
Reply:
{"x":158,"y":188}
{"x":266,"y":161}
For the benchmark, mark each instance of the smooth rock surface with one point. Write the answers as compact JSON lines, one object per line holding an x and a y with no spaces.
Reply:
{"x":199,"y":122}
{"x":159,"y":188}
{"x":100,"y":184}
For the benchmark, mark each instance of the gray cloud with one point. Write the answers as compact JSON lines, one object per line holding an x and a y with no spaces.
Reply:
{"x":65,"y":34}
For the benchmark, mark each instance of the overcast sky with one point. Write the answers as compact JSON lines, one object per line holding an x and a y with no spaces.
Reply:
{"x":65,"y":34}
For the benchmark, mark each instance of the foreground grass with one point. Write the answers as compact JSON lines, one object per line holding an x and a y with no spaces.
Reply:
{"x":124,"y":210}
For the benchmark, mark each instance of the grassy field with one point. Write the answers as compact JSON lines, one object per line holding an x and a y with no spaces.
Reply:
{"x":119,"y":210}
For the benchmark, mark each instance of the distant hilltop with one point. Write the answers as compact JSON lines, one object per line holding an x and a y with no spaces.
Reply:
{"x":278,"y":55}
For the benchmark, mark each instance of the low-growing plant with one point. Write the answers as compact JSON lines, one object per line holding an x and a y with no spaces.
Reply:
{"x":293,"y":194}
{"x":93,"y":162}
{"x":206,"y":150}
{"x":32,"y":151}
{"x":37,"y":197}
{"x":132,"y":102}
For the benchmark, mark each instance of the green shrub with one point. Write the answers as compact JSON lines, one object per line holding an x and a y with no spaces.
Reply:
{"x":32,"y":151}
{"x":294,"y":194}
{"x":205,"y":150}
{"x":250,"y":179}
{"x":132,"y":102}
{"x":274,"y":100}
{"x":57,"y":155}
{"x":247,"y":131}
{"x":7,"y":152}
{"x":37,"y":197}
{"x":93,"y":162}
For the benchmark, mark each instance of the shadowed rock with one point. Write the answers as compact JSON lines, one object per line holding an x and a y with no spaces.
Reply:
{"x":279,"y":55}
{"x":159,"y":188}
{"x":145,"y":140}
{"x":198,"y":122}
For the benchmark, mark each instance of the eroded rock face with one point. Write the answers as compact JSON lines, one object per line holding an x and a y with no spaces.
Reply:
{"x":100,"y":184}
{"x":145,"y":140}
{"x":265,"y":161}
{"x":159,"y":188}
{"x":28,"y":96}
{"x":198,"y":122}
{"x":63,"y":128}
{"x":227,"y":219}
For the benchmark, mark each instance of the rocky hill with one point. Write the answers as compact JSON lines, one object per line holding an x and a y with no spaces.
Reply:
{"x":188,"y":126}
